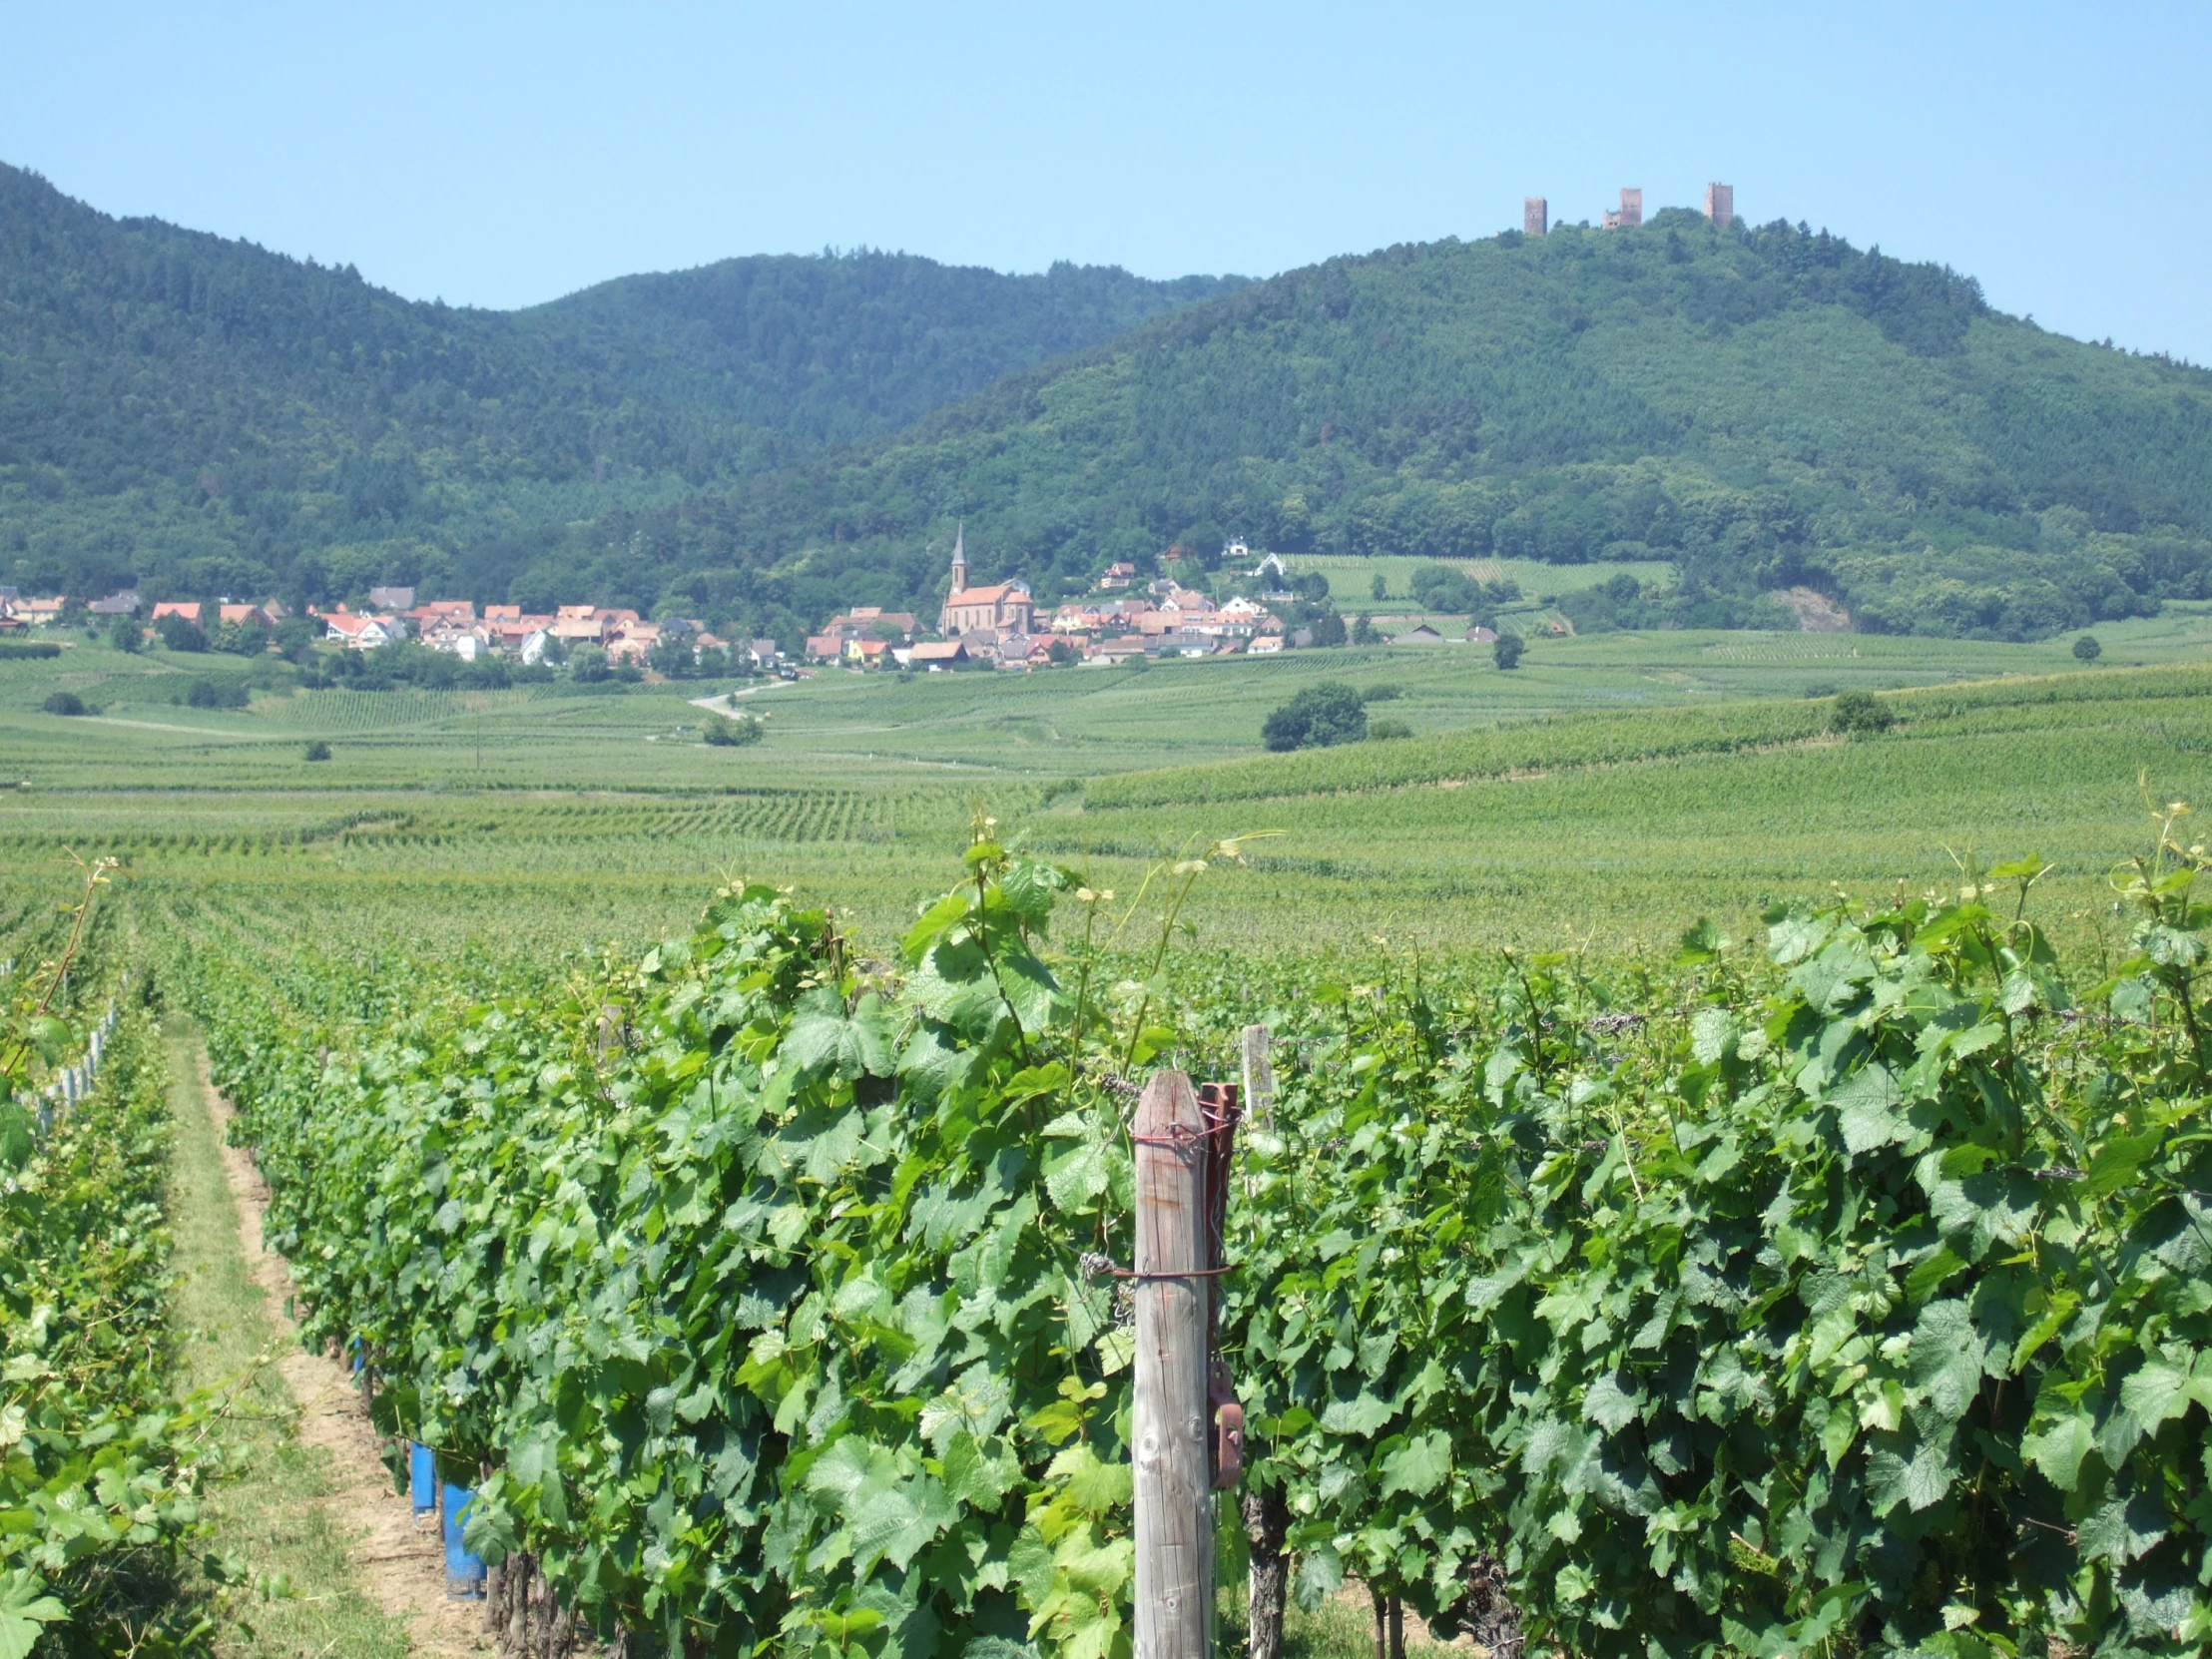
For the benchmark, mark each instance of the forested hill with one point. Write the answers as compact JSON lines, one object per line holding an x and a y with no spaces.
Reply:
{"x":833,"y":349}
{"x":202,"y":415}
{"x":1767,"y":408}
{"x":764,"y":441}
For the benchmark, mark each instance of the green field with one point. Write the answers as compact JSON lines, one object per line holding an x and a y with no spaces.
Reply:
{"x":1609,"y":791}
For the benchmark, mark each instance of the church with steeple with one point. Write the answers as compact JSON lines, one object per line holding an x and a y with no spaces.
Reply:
{"x":1003,"y":609}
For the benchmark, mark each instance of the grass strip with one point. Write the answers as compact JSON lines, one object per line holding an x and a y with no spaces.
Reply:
{"x":274,"y":1567}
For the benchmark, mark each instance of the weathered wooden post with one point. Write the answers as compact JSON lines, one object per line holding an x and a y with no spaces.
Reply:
{"x":1173,"y":1473}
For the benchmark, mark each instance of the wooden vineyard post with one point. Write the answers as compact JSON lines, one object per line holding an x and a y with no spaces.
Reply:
{"x":1259,"y":1077}
{"x":1173,"y":1476}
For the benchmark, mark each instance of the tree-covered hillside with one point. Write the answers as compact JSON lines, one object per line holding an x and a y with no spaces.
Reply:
{"x":764,"y":440}
{"x":201,"y":414}
{"x":832,"y":349}
{"x":1767,"y":408}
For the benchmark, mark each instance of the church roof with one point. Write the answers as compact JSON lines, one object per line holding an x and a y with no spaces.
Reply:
{"x":988,"y":595}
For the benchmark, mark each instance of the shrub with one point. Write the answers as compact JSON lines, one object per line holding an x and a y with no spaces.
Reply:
{"x":1506,"y":650}
{"x":733,"y":734}
{"x":65,"y":702}
{"x":126,"y":635}
{"x":1325,"y":713}
{"x":217,"y":694}
{"x":1380,"y":729}
{"x":318,"y":751}
{"x":1383,"y":693}
{"x":2086,"y":648}
{"x":178,"y":634}
{"x":1329,"y":629}
{"x":1861,"y":712}
{"x":27,"y":650}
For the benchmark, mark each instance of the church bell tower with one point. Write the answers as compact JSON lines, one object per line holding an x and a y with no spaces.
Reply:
{"x":960,"y":558}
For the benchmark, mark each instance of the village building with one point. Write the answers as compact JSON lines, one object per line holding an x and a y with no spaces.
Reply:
{"x":1004,"y":608}
{"x":392,"y":599}
{"x":188,"y":608}
{"x":875,"y":622}
{"x":578,"y":624}
{"x":124,"y":602}
{"x":937,"y":655}
{"x":1119,"y":575}
{"x":633,"y":641}
{"x":357,"y":632}
{"x":1180,"y":643}
{"x":1107,"y":653}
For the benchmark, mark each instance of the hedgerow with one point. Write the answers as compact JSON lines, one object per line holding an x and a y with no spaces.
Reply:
{"x":98,"y":1464}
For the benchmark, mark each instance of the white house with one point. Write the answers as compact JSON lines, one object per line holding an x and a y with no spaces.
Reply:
{"x":357,"y":633}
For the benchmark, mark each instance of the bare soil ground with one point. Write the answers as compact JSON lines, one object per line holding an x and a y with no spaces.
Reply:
{"x":400,"y":1567}
{"x":1816,"y":612}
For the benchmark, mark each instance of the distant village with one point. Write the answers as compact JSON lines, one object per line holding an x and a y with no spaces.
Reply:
{"x":996,"y":625}
{"x":999,"y":625}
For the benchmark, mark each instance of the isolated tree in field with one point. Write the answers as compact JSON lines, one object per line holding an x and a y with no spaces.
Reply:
{"x":1860,"y":713}
{"x":65,"y":702}
{"x":2086,"y":648}
{"x":1329,"y":629}
{"x":1323,"y":713}
{"x":296,"y":638}
{"x":318,"y":751}
{"x":1362,"y":630}
{"x":125,"y":635}
{"x":1380,"y":588}
{"x":731,"y":734}
{"x":1506,"y":650}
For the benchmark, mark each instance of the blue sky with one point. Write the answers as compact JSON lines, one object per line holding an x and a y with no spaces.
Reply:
{"x":504,"y":154}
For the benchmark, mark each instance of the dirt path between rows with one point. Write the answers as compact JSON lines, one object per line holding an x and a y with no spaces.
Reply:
{"x":400,"y":1568}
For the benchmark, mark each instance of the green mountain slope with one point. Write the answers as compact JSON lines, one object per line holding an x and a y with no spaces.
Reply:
{"x":1766,"y":407}
{"x":202,"y":415}
{"x":830,"y":350}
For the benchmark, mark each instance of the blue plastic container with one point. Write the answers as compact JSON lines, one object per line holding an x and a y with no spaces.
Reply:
{"x":353,"y":1353}
{"x":422,"y":1478}
{"x":464,"y":1573}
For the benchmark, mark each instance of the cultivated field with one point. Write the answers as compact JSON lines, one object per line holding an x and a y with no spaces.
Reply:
{"x":1609,"y":791}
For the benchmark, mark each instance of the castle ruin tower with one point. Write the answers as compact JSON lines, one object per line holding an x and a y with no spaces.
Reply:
{"x":1632,"y":206}
{"x":1535,"y":215}
{"x":960,"y":558}
{"x":1720,"y":205}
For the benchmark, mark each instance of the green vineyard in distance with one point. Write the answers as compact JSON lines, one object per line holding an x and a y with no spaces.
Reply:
{"x":1606,"y":794}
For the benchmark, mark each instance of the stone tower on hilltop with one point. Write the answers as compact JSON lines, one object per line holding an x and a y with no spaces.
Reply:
{"x":1720,"y":205}
{"x":1535,"y":215}
{"x":1630,"y":211}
